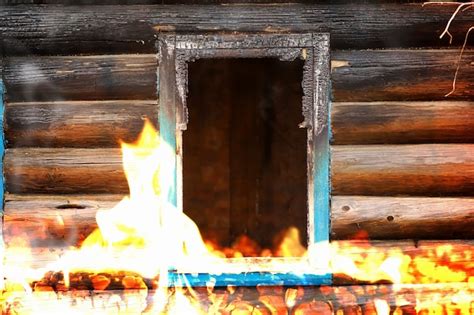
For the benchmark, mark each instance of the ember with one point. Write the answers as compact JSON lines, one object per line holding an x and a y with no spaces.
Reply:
{"x":123,"y":266}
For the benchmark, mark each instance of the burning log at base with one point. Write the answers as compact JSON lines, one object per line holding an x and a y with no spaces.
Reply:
{"x":453,"y":298}
{"x":158,"y":238}
{"x":55,"y":281}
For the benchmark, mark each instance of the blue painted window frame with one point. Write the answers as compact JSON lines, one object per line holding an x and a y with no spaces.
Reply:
{"x":175,"y":51}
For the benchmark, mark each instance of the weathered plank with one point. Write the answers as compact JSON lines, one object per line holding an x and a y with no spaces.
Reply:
{"x":64,"y":170}
{"x":398,"y":75}
{"x":91,"y":124}
{"x":61,"y":78}
{"x":424,"y":170}
{"x":68,"y":219}
{"x":416,"y":170}
{"x":358,"y":75}
{"x":132,"y":29}
{"x":403,"y":122}
{"x":87,"y":124}
{"x":402,"y":217}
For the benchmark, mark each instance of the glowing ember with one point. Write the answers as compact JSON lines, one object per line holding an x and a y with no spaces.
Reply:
{"x":123,"y":266}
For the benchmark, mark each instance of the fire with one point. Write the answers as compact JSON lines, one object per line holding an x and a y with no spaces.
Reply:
{"x":144,"y":238}
{"x":143,"y":224}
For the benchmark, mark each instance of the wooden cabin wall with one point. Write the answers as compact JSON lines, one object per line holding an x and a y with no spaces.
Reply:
{"x":402,"y":153}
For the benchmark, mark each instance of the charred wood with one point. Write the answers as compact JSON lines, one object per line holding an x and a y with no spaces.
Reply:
{"x":132,"y":29}
{"x":357,"y":75}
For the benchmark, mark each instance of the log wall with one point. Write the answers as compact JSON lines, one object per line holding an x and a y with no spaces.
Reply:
{"x":402,"y":152}
{"x":42,"y":29}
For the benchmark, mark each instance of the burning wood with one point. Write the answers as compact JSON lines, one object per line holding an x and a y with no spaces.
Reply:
{"x":124,"y":266}
{"x":455,"y":298}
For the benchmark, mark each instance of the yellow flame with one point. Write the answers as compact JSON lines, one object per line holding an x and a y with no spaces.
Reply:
{"x":144,"y":224}
{"x":146,"y":234}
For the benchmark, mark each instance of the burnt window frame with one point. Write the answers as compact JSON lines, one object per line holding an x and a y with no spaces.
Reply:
{"x":175,"y":51}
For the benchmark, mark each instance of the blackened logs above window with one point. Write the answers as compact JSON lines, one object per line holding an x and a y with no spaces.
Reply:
{"x":133,"y":29}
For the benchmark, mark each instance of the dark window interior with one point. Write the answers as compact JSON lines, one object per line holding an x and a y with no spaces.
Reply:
{"x":244,"y":156}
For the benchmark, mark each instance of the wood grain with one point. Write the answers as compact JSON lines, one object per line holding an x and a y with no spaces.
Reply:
{"x":87,"y":124}
{"x":357,"y":76}
{"x":401,"y":75}
{"x":91,"y":124}
{"x":64,"y":170}
{"x":61,"y":220}
{"x":402,"y":218}
{"x":415,"y":170}
{"x":403,"y":122}
{"x":132,"y":29}
{"x":99,"y":77}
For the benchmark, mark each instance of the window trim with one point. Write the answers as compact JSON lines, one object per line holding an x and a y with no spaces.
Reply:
{"x":175,"y":51}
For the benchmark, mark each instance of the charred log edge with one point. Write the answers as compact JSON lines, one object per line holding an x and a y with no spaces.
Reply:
{"x":285,"y":47}
{"x":416,"y":218}
{"x":59,"y":124}
{"x":402,"y":122}
{"x":403,"y":170}
{"x":132,"y":29}
{"x":357,"y":76}
{"x":402,"y":217}
{"x":377,"y":170}
{"x":86,"y":124}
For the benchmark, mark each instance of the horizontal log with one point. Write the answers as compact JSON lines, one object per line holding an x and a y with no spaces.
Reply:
{"x":91,"y":124}
{"x":403,"y":122}
{"x":59,"y":220}
{"x":355,"y":299}
{"x":367,"y":75}
{"x":454,"y":254}
{"x":87,"y":124}
{"x":60,"y":78}
{"x":68,"y":219}
{"x":64,"y":170}
{"x":400,"y":75}
{"x":417,"y":170}
{"x":46,"y":254}
{"x":81,"y":77}
{"x":132,"y":29}
{"x":402,"y":218}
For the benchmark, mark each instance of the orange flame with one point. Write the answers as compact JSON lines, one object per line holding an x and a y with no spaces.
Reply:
{"x":147,"y":235}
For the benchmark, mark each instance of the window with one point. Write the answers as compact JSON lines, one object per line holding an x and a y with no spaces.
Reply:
{"x":259,"y":153}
